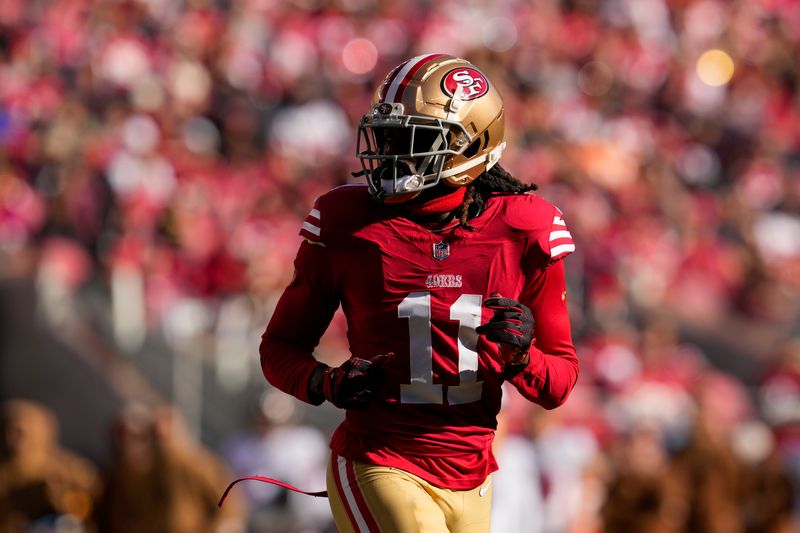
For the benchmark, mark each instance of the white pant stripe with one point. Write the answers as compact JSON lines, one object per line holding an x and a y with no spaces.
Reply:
{"x":350,"y":498}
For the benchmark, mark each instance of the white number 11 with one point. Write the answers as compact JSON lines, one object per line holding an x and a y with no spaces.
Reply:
{"x":416,"y":307}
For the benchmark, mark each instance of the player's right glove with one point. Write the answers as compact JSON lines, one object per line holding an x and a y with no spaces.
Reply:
{"x":353,"y":384}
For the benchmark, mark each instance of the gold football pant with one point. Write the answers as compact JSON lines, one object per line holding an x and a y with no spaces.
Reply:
{"x":366,"y":498}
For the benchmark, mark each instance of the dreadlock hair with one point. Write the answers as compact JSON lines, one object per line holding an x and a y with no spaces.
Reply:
{"x":495,"y":181}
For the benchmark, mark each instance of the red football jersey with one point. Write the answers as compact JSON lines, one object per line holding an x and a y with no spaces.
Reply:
{"x":419,"y":295}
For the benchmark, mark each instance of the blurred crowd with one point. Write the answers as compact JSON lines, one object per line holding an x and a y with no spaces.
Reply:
{"x":167,"y":150}
{"x":159,"y":478}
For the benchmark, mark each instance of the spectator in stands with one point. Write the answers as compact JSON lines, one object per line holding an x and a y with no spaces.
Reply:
{"x":41,"y":483}
{"x":163,"y":481}
{"x":779,"y":397}
{"x":644,"y":493}
{"x":708,"y":463}
{"x":767,"y":494}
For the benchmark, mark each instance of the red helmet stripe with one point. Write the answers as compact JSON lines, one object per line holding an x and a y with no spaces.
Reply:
{"x":401,"y":79}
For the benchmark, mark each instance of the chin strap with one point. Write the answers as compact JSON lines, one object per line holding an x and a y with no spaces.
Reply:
{"x":318,"y":494}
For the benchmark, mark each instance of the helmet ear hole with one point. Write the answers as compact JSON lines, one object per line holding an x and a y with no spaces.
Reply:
{"x":472,"y":149}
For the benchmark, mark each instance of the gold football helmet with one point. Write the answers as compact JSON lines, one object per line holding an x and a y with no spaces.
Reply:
{"x":435,"y":118}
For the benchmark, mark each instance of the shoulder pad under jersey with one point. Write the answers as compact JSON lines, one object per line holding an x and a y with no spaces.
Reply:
{"x":338,"y":210}
{"x":543,"y":221}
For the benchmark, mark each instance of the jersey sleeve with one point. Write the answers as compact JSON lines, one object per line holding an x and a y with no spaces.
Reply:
{"x":553,"y":369}
{"x":302,"y":315}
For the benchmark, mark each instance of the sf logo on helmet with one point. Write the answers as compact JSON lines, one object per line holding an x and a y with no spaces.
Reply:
{"x":465,"y":83}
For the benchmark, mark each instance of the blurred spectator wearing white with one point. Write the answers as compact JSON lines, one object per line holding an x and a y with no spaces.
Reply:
{"x":279,"y":445}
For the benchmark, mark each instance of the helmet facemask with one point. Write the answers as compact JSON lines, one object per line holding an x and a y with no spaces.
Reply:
{"x":402,"y":155}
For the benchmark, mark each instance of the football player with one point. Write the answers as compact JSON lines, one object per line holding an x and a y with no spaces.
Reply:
{"x":449,"y":273}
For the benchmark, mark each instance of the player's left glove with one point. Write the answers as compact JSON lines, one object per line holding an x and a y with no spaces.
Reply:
{"x":353,"y":384}
{"x":512,"y":328}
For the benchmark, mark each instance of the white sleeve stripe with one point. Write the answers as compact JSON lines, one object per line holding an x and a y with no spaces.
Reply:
{"x":560,"y":249}
{"x":314,"y":214}
{"x":561,"y":234}
{"x":558,"y":221}
{"x":311,"y":228}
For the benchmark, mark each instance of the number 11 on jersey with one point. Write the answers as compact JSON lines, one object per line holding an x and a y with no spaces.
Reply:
{"x":416,"y":307}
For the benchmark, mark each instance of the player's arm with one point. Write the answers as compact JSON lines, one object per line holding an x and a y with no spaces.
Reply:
{"x":534,"y":339}
{"x":533,"y":333}
{"x":551,"y":373}
{"x":302,"y":315}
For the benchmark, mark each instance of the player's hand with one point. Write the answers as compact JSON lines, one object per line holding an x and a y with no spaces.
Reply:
{"x":511,"y":327}
{"x":354,"y":384}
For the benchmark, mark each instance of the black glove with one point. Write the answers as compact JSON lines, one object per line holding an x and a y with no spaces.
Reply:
{"x":511,"y":327}
{"x":353,"y":385}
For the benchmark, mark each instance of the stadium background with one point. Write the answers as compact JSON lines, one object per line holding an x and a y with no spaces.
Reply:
{"x":157,"y":158}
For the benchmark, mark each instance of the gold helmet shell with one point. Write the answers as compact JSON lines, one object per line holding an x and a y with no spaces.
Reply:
{"x":435,"y":118}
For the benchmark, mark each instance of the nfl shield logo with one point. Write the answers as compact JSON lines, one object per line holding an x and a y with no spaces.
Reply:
{"x":441,"y":250}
